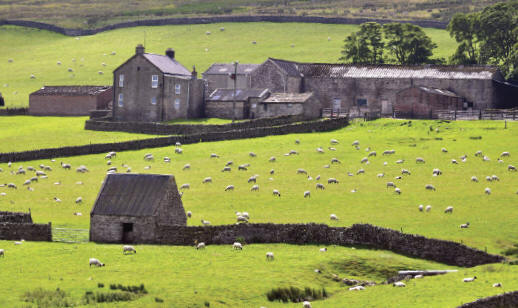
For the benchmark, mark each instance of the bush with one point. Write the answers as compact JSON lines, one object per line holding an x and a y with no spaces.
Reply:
{"x":132,"y":289}
{"x":47,"y":298}
{"x":295,"y":295}
{"x":159,"y":300}
{"x":107,"y":297}
{"x":100,"y":285}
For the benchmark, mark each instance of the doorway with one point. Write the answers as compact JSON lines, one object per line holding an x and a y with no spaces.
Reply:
{"x":127,"y":232}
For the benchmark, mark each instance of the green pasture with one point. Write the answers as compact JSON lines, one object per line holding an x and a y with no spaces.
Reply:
{"x":37,"y":52}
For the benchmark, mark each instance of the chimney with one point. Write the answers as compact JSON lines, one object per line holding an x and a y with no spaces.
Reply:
{"x":170,"y":53}
{"x":139,"y":50}
{"x":194,"y":73}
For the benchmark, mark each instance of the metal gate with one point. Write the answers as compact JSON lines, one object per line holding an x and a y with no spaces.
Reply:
{"x":66,"y":235}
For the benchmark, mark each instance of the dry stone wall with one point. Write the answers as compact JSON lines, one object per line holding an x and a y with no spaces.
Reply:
{"x":26,"y":231}
{"x":15,"y":217}
{"x":505,"y":300}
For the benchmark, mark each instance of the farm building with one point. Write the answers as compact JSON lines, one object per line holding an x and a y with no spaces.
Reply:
{"x":219,"y":75}
{"x":365,"y":88}
{"x":69,"y":100}
{"x":283,"y":104}
{"x":131,"y":208}
{"x":154,"y":88}
{"x":220,"y":103}
{"x":423,"y":101}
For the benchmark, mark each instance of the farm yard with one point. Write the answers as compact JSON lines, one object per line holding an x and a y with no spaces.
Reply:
{"x":90,"y":60}
{"x":223,"y":277}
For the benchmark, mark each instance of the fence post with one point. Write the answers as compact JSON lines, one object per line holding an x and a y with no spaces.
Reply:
{"x":480,"y":114}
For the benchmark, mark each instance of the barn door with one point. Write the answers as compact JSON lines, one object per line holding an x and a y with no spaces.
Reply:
{"x":386,"y":108}
{"x":127,"y":232}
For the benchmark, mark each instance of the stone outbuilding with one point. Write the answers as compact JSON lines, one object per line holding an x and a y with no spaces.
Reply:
{"x":69,"y":100}
{"x":219,"y":76}
{"x":424,"y":102}
{"x":285,"y":104}
{"x":220,"y":103}
{"x":155,"y":88}
{"x":131,"y":208}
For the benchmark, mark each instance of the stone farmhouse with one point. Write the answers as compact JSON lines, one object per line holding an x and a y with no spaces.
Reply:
{"x":132,"y":208}
{"x":69,"y":100}
{"x":155,"y":88}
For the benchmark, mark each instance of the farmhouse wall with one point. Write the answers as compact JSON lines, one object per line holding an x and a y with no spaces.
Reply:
{"x":225,"y":82}
{"x":270,"y":110}
{"x":269,"y":76}
{"x":26,"y":231}
{"x":172,"y":110}
{"x":196,"y":99}
{"x":505,"y":300}
{"x":108,"y":229}
{"x":62,"y":105}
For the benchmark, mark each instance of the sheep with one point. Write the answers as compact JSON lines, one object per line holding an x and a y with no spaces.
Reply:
{"x":205,"y":222}
{"x":2,"y":253}
{"x":252,"y":154}
{"x":272,"y":159}
{"x":255,"y":188}
{"x":487,"y":191}
{"x":272,"y":171}
{"x":178,"y":151}
{"x":335,"y":161}
{"x":399,"y":284}
{"x":307,"y":194}
{"x":276,"y":193}
{"x":495,"y":178}
{"x":229,"y":187}
{"x":454,"y":161}
{"x":33,"y":76}
{"x":242,"y":167}
{"x":388,"y":152}
{"x":320,"y":186}
{"x":436,"y":172}
{"x":391,"y":184}
{"x":464,"y":226}
{"x":214,"y":155}
{"x":185,"y":186}
{"x":357,"y":288}
{"x":355,"y":143}
{"x":293,"y":152}
{"x":269,"y":256}
{"x":331,"y":149}
{"x":237,"y":246}
{"x":47,"y":168}
{"x":201,"y":245}
{"x":19,"y":242}
{"x":12,"y":185}
{"x":320,"y":150}
{"x":332,"y":181}
{"x":229,"y":163}
{"x":398,"y":177}
{"x":373,"y":153}
{"x":189,"y":214}
{"x":400,"y":161}
{"x":242,"y":218}
{"x":488,"y":178}
{"x":186,"y":167}
{"x":96,"y":262}
{"x":430,"y":187}
{"x":302,"y":171}
{"x":397,"y":191}
{"x":82,"y":169}
{"x":177,"y":144}
{"x":364,"y":160}
{"x":470,"y":279}
{"x":444,"y":150}
{"x":449,"y":209}
{"x":253,"y":178}
{"x":497,"y":285}
{"x":306,"y":304}
{"x":420,"y":208}
{"x":20,"y":171}
{"x":334,"y":141}
{"x":405,"y":171}
{"x":57,"y":199}
{"x":226,"y":169}
{"x":380,"y":175}
{"x":323,"y":249}
{"x":419,"y":160}
{"x":126,"y":249}
{"x":505,"y":154}
{"x":333,"y":217}
{"x":167,"y":159}
{"x":428,"y":208}
{"x":207,"y":180}
{"x":28,"y":182}
{"x":418,"y":276}
{"x":327,"y":166}
{"x":511,"y":168}
{"x":485,"y":158}
{"x":79,"y":200}
{"x":360,"y":171}
{"x":474,"y":179}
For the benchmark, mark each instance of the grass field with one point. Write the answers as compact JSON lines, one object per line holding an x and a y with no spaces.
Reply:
{"x":184,"y":277}
{"x":37,"y":52}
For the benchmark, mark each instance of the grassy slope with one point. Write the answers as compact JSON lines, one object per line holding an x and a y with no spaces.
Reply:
{"x":22,"y":133}
{"x":37,"y":52}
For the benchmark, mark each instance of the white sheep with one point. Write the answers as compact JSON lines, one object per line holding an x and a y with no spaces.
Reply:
{"x":364,"y":160}
{"x":186,"y":167}
{"x":388,"y":152}
{"x":357,"y":288}
{"x":380,"y":175}
{"x":399,"y":284}
{"x":470,"y":279}
{"x":269,"y":256}
{"x":167,"y":159}
{"x":207,"y":180}
{"x":464,"y":226}
{"x":252,"y":154}
{"x":332,"y":181}
{"x":78,"y":214}
{"x":276,"y":193}
{"x":405,"y":171}
{"x":430,"y":187}
{"x":178,"y":150}
{"x":214,"y":155}
{"x":355,"y":143}
{"x":511,"y":168}
{"x":360,"y":171}
{"x":333,"y":217}
{"x":505,"y":154}
{"x":428,"y":208}
{"x":229,"y":187}
{"x":253,"y":178}
{"x":185,"y":186}
{"x":436,"y":172}
{"x":323,"y":249}
{"x":487,"y":191}
{"x":391,"y":184}
{"x":497,"y":285}
{"x":306,"y":304}
{"x":189,"y":214}
{"x":485,"y":158}
{"x":420,"y":207}
{"x":454,"y":161}
{"x":272,"y":159}
{"x":474,"y":179}
{"x":237,"y":246}
{"x":495,"y":178}
{"x":96,"y":262}
{"x":255,"y":188}
{"x":205,"y":222}
{"x":307,"y":194}
{"x":320,"y":186}
{"x":2,"y":253}
{"x":488,"y":178}
{"x":226,"y":169}
{"x":320,"y":150}
{"x":79,"y":200}
{"x":397,"y":191}
{"x":335,"y":161}
{"x":302,"y":171}
{"x":242,"y":167}
{"x":201,"y":245}
{"x":400,"y":161}
{"x":449,"y":209}
{"x":419,"y":160}
{"x":128,"y":249}
{"x":373,"y":153}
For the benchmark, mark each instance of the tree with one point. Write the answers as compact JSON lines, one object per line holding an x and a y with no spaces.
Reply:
{"x":408,"y":44}
{"x":364,"y":46}
{"x":465,"y":28}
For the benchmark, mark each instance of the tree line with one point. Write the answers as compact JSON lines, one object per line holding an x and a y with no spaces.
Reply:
{"x":486,"y":37}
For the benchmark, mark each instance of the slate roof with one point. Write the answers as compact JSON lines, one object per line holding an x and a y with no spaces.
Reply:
{"x":241,"y":94}
{"x":287,"y":98}
{"x":131,"y":194}
{"x":387,"y":71}
{"x":225,"y":68}
{"x":71,"y":90}
{"x":167,"y":65}
{"x":438,"y":91}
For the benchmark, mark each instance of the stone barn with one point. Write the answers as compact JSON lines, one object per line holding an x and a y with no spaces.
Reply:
{"x":220,"y":103}
{"x":69,"y":100}
{"x":423,"y":102}
{"x":131,"y":208}
{"x":219,"y":76}
{"x":285,"y":104}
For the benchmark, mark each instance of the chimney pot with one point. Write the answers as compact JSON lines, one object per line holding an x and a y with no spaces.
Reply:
{"x":139,"y":50}
{"x":170,"y":53}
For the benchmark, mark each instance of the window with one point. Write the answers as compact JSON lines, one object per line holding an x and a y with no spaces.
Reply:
{"x":361,"y":102}
{"x":337,"y":103}
{"x":265,"y":107}
{"x":177,"y":103}
{"x":121,"y":80}
{"x":254,"y":105}
{"x":121,"y":99}
{"x":177,"y":88}
{"x":154,"y":81}
{"x":153,"y":100}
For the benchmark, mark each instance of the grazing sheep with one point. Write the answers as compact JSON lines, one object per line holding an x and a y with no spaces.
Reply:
{"x":237,"y":246}
{"x":252,"y":154}
{"x":380,"y":175}
{"x":436,"y":172}
{"x":82,"y":169}
{"x":360,"y":171}
{"x":332,"y":181}
{"x":335,"y":161}
{"x":419,"y":160}
{"x":511,"y":168}
{"x":214,"y":155}
{"x":470,"y":279}
{"x":320,"y":186}
{"x":327,"y":166}
{"x":397,"y":191}
{"x":205,"y":222}
{"x":167,"y":159}
{"x":449,"y":209}
{"x":201,"y":245}
{"x":207,"y":180}
{"x":96,"y":262}
{"x":505,"y":154}
{"x":398,"y":177}
{"x":66,"y":166}
{"x":355,"y":143}
{"x":404,"y":171}
{"x":11,"y":185}
{"x":333,"y":217}
{"x":293,"y":152}
{"x":428,"y":208}
{"x":186,"y":167}
{"x":331,"y":149}
{"x":276,"y":193}
{"x":400,"y":161}
{"x":149,"y":157}
{"x":485,"y":158}
{"x":177,"y":144}
{"x":454,"y":161}
{"x":399,"y":284}
{"x":185,"y":186}
{"x":323,"y":249}
{"x":487,"y":191}
{"x":420,"y":208}
{"x":478,"y":153}
{"x":388,"y":152}
{"x":302,"y":171}
{"x":306,"y":304}
{"x":28,"y":182}
{"x":373,"y":153}
{"x":444,"y":150}
{"x":255,"y":188}
{"x":391,"y":184}
{"x":229,"y":187}
{"x":272,"y":171}
{"x":474,"y":179}
{"x":79,"y":200}
{"x":320,"y":150}
{"x":495,"y":178}
{"x":307,"y":194}
{"x":226,"y":169}
{"x":464,"y":226}
{"x":334,"y":141}
{"x":430,"y":187}
{"x":189,"y":214}
{"x":178,"y":150}
{"x":418,"y":276}
{"x":357,"y":288}
{"x":297,"y":141}
{"x":269,"y":256}
{"x":2,"y":253}
{"x":364,"y":160}
{"x":497,"y":285}
{"x":242,"y":218}
{"x":253,"y":178}
{"x":272,"y":159}
{"x":488,"y":178}
{"x":19,"y":242}
{"x":126,"y":249}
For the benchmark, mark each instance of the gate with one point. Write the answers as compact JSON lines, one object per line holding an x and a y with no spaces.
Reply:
{"x":66,"y":235}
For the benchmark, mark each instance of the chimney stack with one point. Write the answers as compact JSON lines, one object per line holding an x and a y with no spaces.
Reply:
{"x":139,"y":50}
{"x":170,"y":53}
{"x":194,"y":73}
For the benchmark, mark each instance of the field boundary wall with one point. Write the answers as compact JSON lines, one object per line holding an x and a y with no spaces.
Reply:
{"x":26,"y":231}
{"x":185,"y":129}
{"x":304,"y":127}
{"x":218,"y":19}
{"x":442,"y":251}
{"x":14,"y":111}
{"x":505,"y":300}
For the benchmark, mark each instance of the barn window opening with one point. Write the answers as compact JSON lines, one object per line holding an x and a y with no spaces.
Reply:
{"x":121,"y":99}
{"x":121,"y":80}
{"x":154,"y":81}
{"x":177,"y":88}
{"x":361,"y":102}
{"x":177,"y":104}
{"x":127,"y":227}
{"x":153,"y":100}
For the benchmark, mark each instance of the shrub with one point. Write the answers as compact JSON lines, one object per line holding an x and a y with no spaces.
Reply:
{"x":100,"y":285}
{"x":295,"y":295}
{"x":241,"y":240}
{"x":475,"y":137}
{"x":47,"y":298}
{"x":159,"y":300}
{"x":107,"y":297}
{"x":132,"y":289}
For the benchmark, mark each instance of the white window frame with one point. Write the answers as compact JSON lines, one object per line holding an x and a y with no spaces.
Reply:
{"x":121,"y":100}
{"x":154,"y":81}
{"x":177,"y":88}
{"x":121,"y":80}
{"x":177,"y":104}
{"x":153,"y":100}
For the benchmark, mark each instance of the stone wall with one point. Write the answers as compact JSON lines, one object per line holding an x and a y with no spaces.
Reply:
{"x":266,"y":110}
{"x":108,"y":229}
{"x":505,"y":300}
{"x":26,"y":231}
{"x":14,"y":111}
{"x":224,"y":109}
{"x":15,"y":217}
{"x":62,"y":105}
{"x":447,"y":252}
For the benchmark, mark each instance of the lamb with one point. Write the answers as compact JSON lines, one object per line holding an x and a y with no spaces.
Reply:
{"x":444,"y":150}
{"x":428,"y":208}
{"x":449,"y":209}
{"x":332,"y":181}
{"x":320,"y":186}
{"x":436,"y":172}
{"x":207,"y":180}
{"x":201,"y":245}
{"x":96,"y":262}
{"x":302,"y":171}
{"x":229,"y":187}
{"x":419,"y":160}
{"x":380,"y":175}
{"x":276,"y":193}
{"x":205,"y":222}
{"x":255,"y":188}
{"x":269,"y":256}
{"x":178,"y":150}
{"x":237,"y":246}
{"x":388,"y":152}
{"x":397,"y":191}
{"x":470,"y":279}
{"x":487,"y":191}
{"x":28,"y":182}
{"x":399,"y":284}
{"x":272,"y":159}
{"x":495,"y":178}
{"x":333,"y":217}
{"x":306,"y":304}
{"x":398,"y":177}
{"x":2,"y":253}
{"x":430,"y":187}
{"x":474,"y":179}
{"x":214,"y":155}
{"x":128,"y":249}
{"x":185,"y":186}
{"x":511,"y":168}
{"x":307,"y":194}
{"x":320,"y":150}
{"x":464,"y":226}
{"x":241,"y":218}
{"x":485,"y":158}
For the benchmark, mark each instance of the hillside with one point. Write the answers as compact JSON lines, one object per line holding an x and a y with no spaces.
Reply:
{"x":94,"y":13}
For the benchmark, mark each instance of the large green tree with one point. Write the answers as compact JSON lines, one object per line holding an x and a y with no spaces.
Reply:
{"x":408,"y":44}
{"x":465,"y":28}
{"x":364,"y":46}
